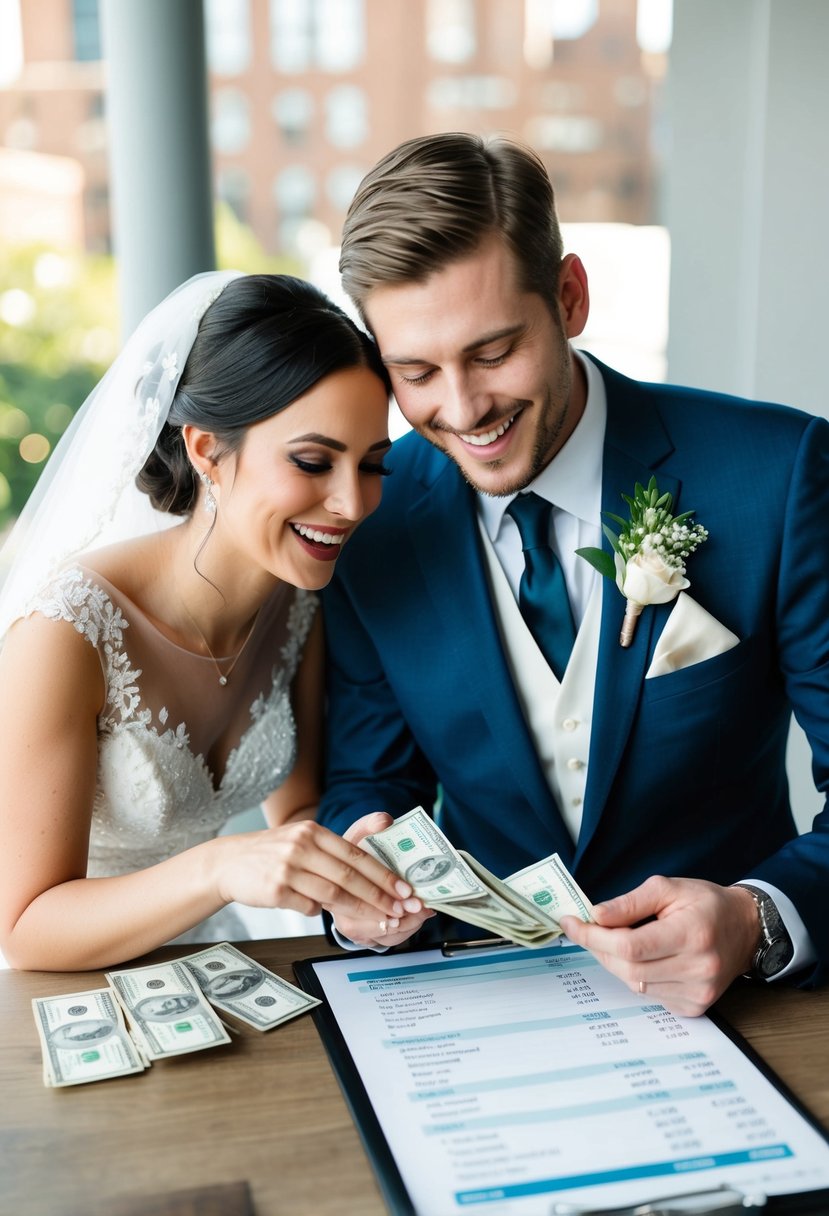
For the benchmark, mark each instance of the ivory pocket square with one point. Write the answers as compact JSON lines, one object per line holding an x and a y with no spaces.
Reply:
{"x":690,"y":636}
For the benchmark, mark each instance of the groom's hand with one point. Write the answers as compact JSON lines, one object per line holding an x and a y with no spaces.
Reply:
{"x":379,"y":933}
{"x":680,"y":940}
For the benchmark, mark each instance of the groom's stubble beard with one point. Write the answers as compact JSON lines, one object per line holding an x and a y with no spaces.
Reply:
{"x":554,"y":413}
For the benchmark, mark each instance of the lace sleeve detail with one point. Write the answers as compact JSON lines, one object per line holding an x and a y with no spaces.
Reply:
{"x":74,"y":598}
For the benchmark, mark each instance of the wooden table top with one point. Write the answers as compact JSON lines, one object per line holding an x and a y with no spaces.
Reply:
{"x":265,"y":1110}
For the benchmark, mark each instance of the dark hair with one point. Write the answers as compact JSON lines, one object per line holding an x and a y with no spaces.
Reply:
{"x":433,"y":199}
{"x":265,"y":341}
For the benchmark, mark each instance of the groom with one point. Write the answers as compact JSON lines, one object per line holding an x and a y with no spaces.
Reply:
{"x":656,"y":770}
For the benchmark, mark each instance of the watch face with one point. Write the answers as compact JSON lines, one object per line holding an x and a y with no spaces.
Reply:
{"x":775,"y":957}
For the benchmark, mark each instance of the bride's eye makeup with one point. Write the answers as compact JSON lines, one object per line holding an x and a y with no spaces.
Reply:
{"x":310,"y":466}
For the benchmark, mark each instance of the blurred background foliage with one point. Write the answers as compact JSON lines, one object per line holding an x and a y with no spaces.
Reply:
{"x":59,"y":332}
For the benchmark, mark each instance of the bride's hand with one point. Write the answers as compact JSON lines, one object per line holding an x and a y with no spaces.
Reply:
{"x":385,"y":931}
{"x":306,"y":867}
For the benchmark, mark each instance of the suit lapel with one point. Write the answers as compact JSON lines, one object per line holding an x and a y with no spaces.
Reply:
{"x":447,"y":544}
{"x":635,"y":445}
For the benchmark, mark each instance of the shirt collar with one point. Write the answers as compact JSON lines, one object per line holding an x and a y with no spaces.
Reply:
{"x":572,"y":480}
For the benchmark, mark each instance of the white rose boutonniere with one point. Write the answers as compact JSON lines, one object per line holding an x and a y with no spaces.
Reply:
{"x":649,"y":552}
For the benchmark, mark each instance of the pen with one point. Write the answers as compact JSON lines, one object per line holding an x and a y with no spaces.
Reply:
{"x":451,"y":948}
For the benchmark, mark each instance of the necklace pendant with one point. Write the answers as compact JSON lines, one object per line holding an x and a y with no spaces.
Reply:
{"x":223,"y":680}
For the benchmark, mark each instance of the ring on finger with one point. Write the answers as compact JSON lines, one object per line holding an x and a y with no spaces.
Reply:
{"x":383,"y":926}
{"x":643,"y":987}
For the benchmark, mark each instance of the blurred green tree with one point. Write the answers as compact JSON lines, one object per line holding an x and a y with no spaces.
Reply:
{"x":59,"y":333}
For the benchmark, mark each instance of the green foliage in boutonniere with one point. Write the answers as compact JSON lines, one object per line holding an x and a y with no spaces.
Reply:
{"x":649,"y":552}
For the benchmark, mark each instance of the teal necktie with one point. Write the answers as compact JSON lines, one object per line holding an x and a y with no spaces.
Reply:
{"x":542,"y":595}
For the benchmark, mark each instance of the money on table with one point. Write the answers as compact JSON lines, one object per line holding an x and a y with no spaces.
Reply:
{"x":524,"y":908}
{"x":83,"y":1038}
{"x":166,"y":1010}
{"x":233,"y":982}
{"x":152,"y":1013}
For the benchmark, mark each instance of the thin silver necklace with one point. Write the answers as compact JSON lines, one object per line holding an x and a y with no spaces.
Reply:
{"x":224,"y":676}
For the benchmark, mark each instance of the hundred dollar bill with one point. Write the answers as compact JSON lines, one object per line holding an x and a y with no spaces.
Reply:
{"x":551,"y":887}
{"x":451,"y":881}
{"x":415,"y":848}
{"x":233,"y":982}
{"x":83,"y":1038}
{"x":166,"y":1010}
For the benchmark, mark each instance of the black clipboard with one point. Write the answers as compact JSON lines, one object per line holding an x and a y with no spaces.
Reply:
{"x":379,"y":1153}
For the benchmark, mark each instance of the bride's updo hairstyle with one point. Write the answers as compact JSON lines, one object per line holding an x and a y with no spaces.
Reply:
{"x":265,"y":341}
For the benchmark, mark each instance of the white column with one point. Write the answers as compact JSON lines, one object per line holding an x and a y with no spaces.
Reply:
{"x":747,"y":196}
{"x":156,"y":101}
{"x":747,"y":201}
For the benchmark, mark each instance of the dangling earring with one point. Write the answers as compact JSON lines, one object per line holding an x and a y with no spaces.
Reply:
{"x":210,"y":503}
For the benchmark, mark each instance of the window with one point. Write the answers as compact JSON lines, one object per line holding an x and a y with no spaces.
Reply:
{"x":291,"y":35}
{"x":339,"y":34}
{"x":295,"y":190}
{"x":86,"y":30}
{"x":230,"y":122}
{"x":293,"y":111}
{"x":346,"y":118}
{"x":233,"y":188}
{"x":472,"y":93}
{"x":566,"y":133}
{"x":450,"y":30}
{"x":341,"y":185}
{"x":325,"y":34}
{"x":227,"y":33}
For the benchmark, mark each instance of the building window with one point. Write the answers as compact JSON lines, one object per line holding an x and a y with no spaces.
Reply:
{"x":341,"y":185}
{"x":233,"y":188}
{"x":227,"y":34}
{"x":339,"y":34}
{"x":295,"y":191}
{"x":324,"y":34}
{"x":566,"y":133}
{"x":230,"y":121}
{"x":86,"y":31}
{"x":291,"y":35}
{"x":293,"y":110}
{"x":346,"y":116}
{"x":450,"y":30}
{"x":472,"y":93}
{"x":572,"y":18}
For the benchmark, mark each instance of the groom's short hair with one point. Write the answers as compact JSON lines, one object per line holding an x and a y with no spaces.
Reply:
{"x":434,"y":199}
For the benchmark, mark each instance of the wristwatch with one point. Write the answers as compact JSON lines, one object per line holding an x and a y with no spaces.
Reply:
{"x":775,"y":950}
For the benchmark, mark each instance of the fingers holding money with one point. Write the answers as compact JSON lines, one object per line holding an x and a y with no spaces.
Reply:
{"x":305,"y":867}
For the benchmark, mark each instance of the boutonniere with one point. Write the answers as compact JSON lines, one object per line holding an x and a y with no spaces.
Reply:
{"x":649,"y":552}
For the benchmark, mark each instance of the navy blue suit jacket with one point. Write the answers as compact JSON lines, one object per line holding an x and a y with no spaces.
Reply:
{"x":686,"y":774}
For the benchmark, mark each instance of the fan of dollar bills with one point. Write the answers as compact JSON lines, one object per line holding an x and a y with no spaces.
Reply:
{"x":169,"y":1007}
{"x":524,"y":908}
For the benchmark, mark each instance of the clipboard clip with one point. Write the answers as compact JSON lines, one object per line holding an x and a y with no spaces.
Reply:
{"x":721,"y":1201}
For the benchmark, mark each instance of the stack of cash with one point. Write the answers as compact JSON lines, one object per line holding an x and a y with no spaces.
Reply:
{"x":83,"y":1038}
{"x":524,"y":908}
{"x":84,"y":1035}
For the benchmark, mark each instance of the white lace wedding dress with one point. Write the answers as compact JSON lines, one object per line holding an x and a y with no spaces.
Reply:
{"x":179,"y":754}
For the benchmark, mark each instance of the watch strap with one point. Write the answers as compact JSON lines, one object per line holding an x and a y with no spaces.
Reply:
{"x":772,"y":930}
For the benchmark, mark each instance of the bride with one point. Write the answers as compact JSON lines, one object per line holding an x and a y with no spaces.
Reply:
{"x":161,"y":664}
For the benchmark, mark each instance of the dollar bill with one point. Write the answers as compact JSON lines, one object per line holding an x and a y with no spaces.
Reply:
{"x":415,"y":848}
{"x":521,"y":908}
{"x":551,"y":887}
{"x":166,"y":1010}
{"x":83,"y":1038}
{"x":233,"y":982}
